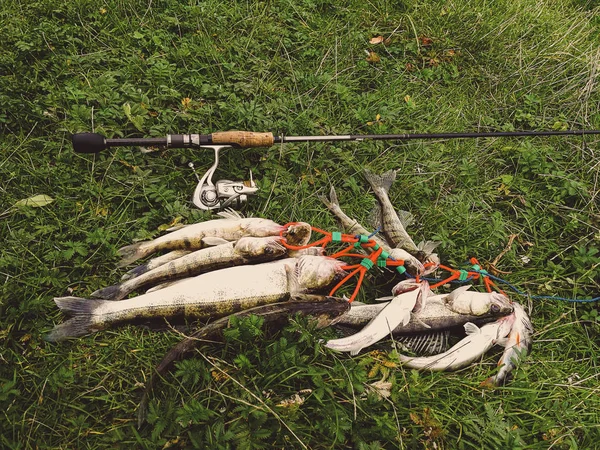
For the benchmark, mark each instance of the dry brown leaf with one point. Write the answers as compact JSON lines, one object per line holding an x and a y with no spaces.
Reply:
{"x":377,"y":40}
{"x":373,"y":57}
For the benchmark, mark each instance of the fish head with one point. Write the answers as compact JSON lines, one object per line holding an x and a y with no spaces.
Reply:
{"x":269,"y":247}
{"x":432,"y":262}
{"x":505,"y":326}
{"x":410,"y":284}
{"x":298,"y":234}
{"x":318,"y":272}
{"x":262,"y":227}
{"x":500,"y":304}
{"x":411,"y":263}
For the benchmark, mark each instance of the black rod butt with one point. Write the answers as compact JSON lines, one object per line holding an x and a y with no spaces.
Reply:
{"x":89,"y":143}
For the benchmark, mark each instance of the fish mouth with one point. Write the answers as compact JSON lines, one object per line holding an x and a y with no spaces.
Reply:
{"x":298,"y":234}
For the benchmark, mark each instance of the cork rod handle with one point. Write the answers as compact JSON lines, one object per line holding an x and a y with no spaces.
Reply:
{"x":243,"y":139}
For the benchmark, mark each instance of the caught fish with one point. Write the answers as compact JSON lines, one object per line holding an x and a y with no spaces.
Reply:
{"x":212,"y":294}
{"x":395,"y":313}
{"x":392,"y":225}
{"x":412,"y":264}
{"x":434,"y":316}
{"x":516,"y":347}
{"x":230,"y":227}
{"x":428,"y":315}
{"x":463,"y":301}
{"x":154,"y":263}
{"x":324,"y":309}
{"x":470,"y":349}
{"x":247,"y":250}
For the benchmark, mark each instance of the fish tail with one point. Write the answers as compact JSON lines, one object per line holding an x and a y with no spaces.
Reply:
{"x":381,"y":182}
{"x":331,"y":202}
{"x":73,"y":328}
{"x":80,"y":324}
{"x":77,"y":306}
{"x":131,"y":253}
{"x":135,"y":272}
{"x":110,"y":293}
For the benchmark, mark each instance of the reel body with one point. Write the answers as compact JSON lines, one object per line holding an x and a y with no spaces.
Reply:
{"x":210,"y":195}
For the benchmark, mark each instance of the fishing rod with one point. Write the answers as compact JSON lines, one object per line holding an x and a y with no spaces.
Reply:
{"x":224,"y":193}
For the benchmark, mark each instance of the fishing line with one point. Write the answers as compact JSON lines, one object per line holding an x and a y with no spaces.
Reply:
{"x":514,"y":288}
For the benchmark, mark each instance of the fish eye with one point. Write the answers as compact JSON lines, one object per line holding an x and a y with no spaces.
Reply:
{"x":495,"y":308}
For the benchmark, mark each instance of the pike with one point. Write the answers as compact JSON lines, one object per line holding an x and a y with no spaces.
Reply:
{"x":247,"y":250}
{"x":212,"y":294}
{"x":230,"y":227}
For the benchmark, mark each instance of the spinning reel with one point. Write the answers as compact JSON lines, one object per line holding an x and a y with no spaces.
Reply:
{"x":223,"y":193}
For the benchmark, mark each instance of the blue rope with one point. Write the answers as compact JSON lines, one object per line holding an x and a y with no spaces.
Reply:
{"x":514,"y":288}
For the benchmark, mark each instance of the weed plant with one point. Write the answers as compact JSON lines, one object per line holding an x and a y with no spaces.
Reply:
{"x":141,"y":68}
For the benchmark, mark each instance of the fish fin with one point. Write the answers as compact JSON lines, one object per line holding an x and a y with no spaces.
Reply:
{"x":406,"y":218}
{"x":428,"y":247}
{"x":501,"y":341}
{"x":422,"y":323}
{"x":426,"y":344}
{"x":384,"y":299}
{"x":109,"y":293}
{"x":375,"y":218}
{"x":160,"y":286}
{"x":212,"y":241}
{"x":77,"y":306}
{"x":358,"y":303}
{"x":230,"y":214}
{"x":333,"y":198}
{"x":383,"y":181}
{"x":471,"y":328}
{"x":135,"y":272}
{"x":355,"y":351}
{"x":131,"y":253}
{"x":452,"y":296}
{"x":75,"y":327}
{"x":177,"y":227}
{"x":292,"y":279}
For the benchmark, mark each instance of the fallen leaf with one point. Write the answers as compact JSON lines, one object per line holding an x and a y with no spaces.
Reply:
{"x":36,"y":201}
{"x":376,"y":40}
{"x":373,"y":57}
{"x":425,"y":41}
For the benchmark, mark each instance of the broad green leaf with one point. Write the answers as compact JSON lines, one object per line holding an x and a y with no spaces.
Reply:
{"x":36,"y":201}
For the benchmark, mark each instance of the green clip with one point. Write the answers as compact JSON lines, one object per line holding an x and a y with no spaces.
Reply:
{"x":476,"y":268}
{"x":357,"y":245}
{"x":483,"y":272}
{"x":381,"y":262}
{"x":363,"y":239}
{"x":463,"y":275}
{"x":366,"y":262}
{"x":376,"y":247}
{"x":384,"y":255}
{"x":401,"y":269}
{"x":336,"y":236}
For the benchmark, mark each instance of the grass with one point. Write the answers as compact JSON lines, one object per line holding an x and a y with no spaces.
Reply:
{"x":297,"y":68}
